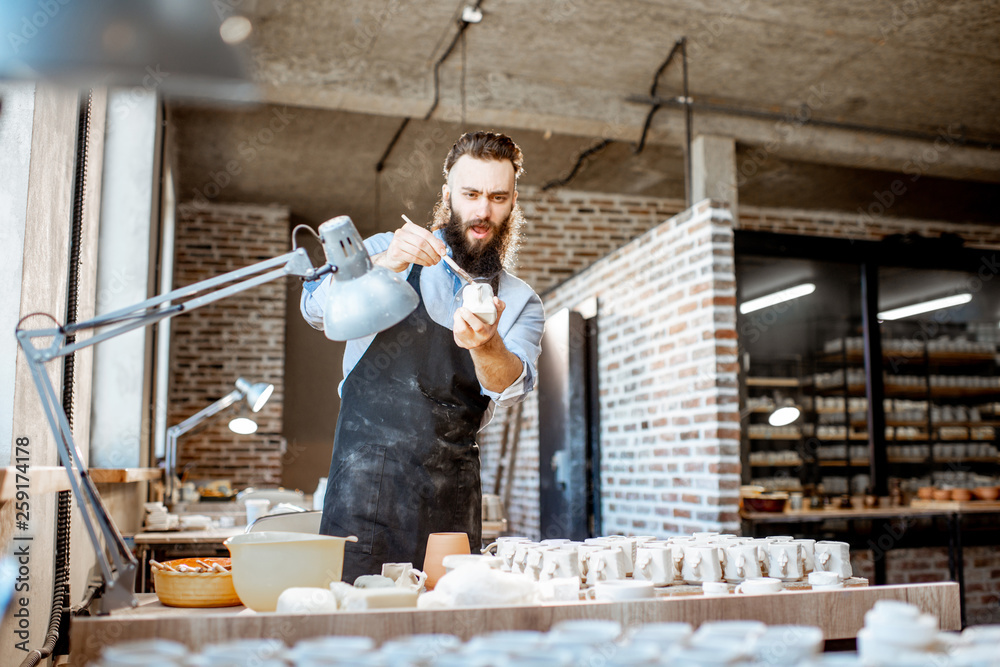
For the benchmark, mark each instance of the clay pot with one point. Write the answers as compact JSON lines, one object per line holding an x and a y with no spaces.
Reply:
{"x":942,"y":494}
{"x":986,"y":492}
{"x":925,"y":493}
{"x":440,"y":545}
{"x":961,"y":495}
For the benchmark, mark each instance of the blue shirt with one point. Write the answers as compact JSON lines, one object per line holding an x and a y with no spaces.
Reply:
{"x":520,"y":326}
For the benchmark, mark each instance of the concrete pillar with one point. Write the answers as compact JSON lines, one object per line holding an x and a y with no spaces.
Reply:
{"x":15,"y":137}
{"x":129,"y":210}
{"x":713,"y":170}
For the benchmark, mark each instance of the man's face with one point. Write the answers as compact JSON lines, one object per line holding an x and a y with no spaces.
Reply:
{"x":482,"y":195}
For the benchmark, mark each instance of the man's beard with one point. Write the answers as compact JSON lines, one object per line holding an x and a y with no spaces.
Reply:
{"x":481,"y":259}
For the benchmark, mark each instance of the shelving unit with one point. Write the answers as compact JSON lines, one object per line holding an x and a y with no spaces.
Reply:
{"x":933,"y":385}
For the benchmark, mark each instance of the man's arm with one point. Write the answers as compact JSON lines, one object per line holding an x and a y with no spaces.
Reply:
{"x":496,"y":366}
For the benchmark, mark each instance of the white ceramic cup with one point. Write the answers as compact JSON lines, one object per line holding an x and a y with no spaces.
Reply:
{"x":759,"y":586}
{"x":833,"y":557}
{"x":616,"y":590}
{"x":702,"y":563}
{"x":605,"y":565}
{"x":560,"y":562}
{"x":715,"y":588}
{"x":808,"y":554}
{"x":655,"y":563}
{"x":742,"y":562}
{"x":785,"y":561}
{"x":256,"y":508}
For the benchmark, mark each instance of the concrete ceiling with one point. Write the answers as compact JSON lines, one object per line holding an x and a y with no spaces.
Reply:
{"x":557,"y":75}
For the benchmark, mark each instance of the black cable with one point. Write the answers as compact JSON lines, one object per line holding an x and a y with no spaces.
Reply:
{"x":687,"y":120}
{"x":380,"y":165}
{"x":601,"y":145}
{"x":678,"y":45}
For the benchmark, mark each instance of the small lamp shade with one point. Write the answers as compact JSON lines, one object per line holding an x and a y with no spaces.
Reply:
{"x":256,"y":394}
{"x":363,"y":299}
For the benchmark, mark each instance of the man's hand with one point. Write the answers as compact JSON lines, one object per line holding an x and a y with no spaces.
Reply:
{"x":470,"y":331}
{"x":496,"y":366}
{"x":411,"y":244}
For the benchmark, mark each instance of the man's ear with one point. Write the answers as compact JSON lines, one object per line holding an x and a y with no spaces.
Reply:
{"x":444,"y":192}
{"x":514,"y":203}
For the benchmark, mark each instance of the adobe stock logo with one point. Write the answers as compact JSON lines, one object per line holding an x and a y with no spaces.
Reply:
{"x":30,"y":25}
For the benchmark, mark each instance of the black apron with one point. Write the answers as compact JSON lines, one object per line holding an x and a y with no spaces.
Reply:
{"x":405,"y":459}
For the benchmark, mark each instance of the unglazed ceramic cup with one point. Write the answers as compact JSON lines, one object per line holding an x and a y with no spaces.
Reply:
{"x":655,"y":563}
{"x":759,"y":586}
{"x":440,"y":545}
{"x":833,"y":557}
{"x":742,"y":562}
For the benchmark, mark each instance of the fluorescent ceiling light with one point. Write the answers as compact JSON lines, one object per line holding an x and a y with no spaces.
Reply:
{"x":925,"y":307}
{"x":777,"y":297}
{"x":783,"y":416}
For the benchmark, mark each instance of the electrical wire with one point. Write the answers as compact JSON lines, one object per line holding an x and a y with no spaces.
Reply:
{"x":559,"y":182}
{"x":678,"y":45}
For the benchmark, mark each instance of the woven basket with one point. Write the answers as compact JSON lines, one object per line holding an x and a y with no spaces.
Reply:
{"x":195,"y":589}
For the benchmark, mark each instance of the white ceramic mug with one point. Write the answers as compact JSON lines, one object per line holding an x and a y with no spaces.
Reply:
{"x":626,"y":545}
{"x":742,"y":562}
{"x":784,"y":561}
{"x":702,"y":563}
{"x":504,"y":548}
{"x":519,"y":561}
{"x":605,"y":565}
{"x":405,"y":575}
{"x":808,"y":554}
{"x":559,"y":562}
{"x":833,"y":557}
{"x":759,"y":586}
{"x":655,"y":563}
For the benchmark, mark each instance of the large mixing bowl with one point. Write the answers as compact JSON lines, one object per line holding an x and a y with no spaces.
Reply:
{"x":266,"y":563}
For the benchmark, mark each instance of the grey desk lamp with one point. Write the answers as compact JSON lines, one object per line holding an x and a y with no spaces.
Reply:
{"x":364,"y":299}
{"x":256,"y":396}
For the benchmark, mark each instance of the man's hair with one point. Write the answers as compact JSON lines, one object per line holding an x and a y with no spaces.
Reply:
{"x":485,"y":146}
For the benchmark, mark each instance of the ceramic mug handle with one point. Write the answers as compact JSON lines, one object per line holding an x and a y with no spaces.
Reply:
{"x":491,"y":545}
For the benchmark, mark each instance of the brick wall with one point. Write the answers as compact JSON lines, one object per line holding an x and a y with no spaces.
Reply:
{"x":568,"y":231}
{"x":667,"y":381}
{"x":242,"y":335}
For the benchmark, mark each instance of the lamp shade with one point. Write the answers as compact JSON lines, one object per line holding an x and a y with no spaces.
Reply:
{"x":256,"y":394}
{"x":242,"y":425}
{"x":362,"y":299}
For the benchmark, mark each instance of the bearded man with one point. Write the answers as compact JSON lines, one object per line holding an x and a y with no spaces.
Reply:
{"x":405,"y":459}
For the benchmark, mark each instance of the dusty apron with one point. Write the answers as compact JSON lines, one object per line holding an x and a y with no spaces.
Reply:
{"x":405,"y":459}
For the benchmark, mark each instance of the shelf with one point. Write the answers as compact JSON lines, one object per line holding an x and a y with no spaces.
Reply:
{"x":908,"y":391}
{"x":772,"y":382}
{"x":839,"y":463}
{"x":41,"y":479}
{"x":934,"y":357}
{"x":124,"y":475}
{"x":783,"y":464}
{"x":774,"y":437}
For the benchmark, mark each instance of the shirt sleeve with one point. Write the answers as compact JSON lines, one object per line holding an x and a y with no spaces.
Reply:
{"x":314,"y":292}
{"x":524,"y":339}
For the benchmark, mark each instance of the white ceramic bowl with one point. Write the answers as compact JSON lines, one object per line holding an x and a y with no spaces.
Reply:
{"x":266,"y":563}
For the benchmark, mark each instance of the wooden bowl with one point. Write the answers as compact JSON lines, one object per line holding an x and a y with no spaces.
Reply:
{"x":925,"y":493}
{"x":766,"y":502}
{"x":195,"y":589}
{"x":961,"y":495}
{"x":986,"y":492}
{"x":942,"y":494}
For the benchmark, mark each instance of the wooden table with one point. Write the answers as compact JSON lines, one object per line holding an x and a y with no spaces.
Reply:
{"x":952,"y":511}
{"x":149,"y":543}
{"x":840,"y":614}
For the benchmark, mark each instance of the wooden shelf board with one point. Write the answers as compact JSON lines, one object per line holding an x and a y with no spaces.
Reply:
{"x":775,"y":437}
{"x":41,"y":479}
{"x":772,"y":382}
{"x":124,"y":475}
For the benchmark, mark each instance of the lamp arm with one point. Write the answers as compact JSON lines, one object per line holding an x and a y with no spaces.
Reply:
{"x":119,"y":573}
{"x":174,"y":302}
{"x":177,"y":430}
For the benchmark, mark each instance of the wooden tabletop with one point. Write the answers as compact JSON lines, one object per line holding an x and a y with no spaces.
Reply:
{"x":840,"y":614}
{"x":210,"y":536}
